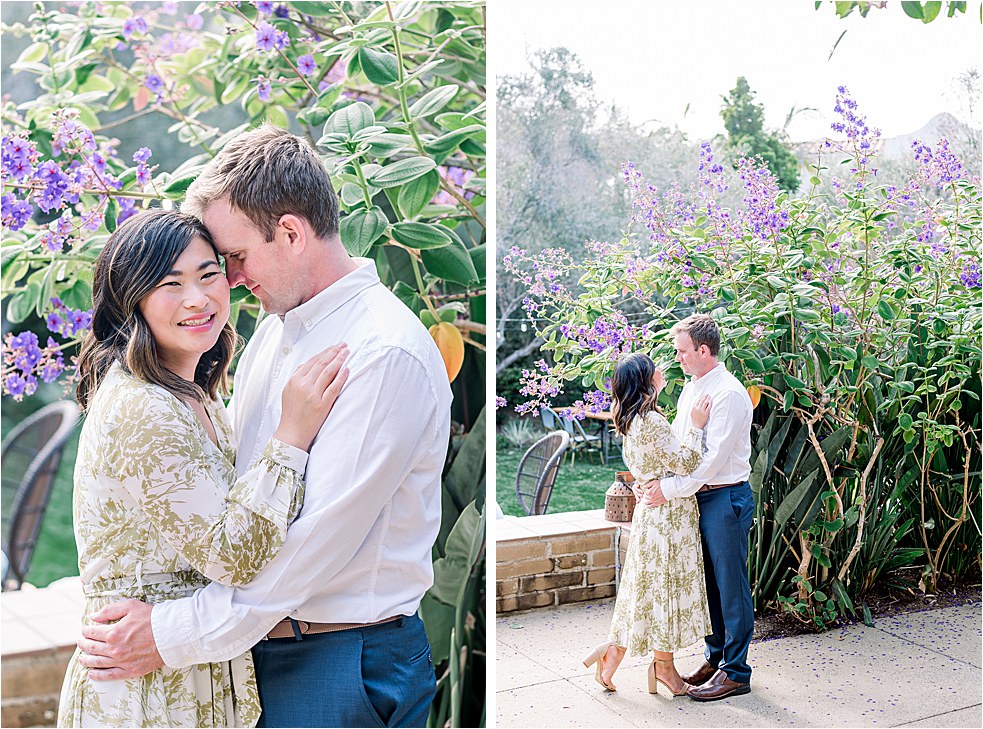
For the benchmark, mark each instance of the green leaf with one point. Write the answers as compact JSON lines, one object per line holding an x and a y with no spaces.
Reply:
{"x":360,"y":229}
{"x":869,"y":361}
{"x":313,"y":117}
{"x":886,"y":310}
{"x":795,"y":382}
{"x":905,"y":421}
{"x":789,"y":400}
{"x":181,"y":184}
{"x":33,"y":53}
{"x":420,"y":235}
{"x":912,"y":9}
{"x":414,"y":195}
{"x":408,"y":295}
{"x":351,"y":194}
{"x":791,"y":503}
{"x":22,"y":304}
{"x":834,"y":526}
{"x":433,"y":101}
{"x":930,"y":10}
{"x":386,"y":145}
{"x":428,"y":318}
{"x":110,"y":215}
{"x":350,"y":119}
{"x":447,"y":142}
{"x":451,"y":263}
{"x":401,"y":172}
{"x":380,"y":68}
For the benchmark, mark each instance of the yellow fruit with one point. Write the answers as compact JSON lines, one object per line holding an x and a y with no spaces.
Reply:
{"x":755,"y":394}
{"x":451,"y":345}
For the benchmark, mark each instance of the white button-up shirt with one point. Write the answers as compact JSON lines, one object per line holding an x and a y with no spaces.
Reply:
{"x":360,"y":551}
{"x":727,"y":434}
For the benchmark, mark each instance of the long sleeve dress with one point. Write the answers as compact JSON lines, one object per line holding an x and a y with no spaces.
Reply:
{"x":662,"y":600}
{"x":158,"y":514}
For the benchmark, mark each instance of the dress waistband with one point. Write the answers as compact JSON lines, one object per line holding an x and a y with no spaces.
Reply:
{"x":129,"y":584}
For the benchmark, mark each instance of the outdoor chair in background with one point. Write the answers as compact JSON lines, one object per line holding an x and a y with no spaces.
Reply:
{"x":537,"y":471}
{"x":580,"y":440}
{"x":31,"y":455}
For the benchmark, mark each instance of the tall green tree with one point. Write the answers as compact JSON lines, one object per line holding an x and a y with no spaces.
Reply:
{"x":744,"y":120}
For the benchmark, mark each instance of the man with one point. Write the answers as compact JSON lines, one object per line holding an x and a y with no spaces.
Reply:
{"x":357,"y":561}
{"x":726,"y":506}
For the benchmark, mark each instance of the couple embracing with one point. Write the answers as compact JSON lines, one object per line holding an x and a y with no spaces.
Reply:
{"x":685,"y":574}
{"x":262,"y":564}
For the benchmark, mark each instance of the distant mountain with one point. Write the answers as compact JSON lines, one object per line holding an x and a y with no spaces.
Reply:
{"x":940,"y":125}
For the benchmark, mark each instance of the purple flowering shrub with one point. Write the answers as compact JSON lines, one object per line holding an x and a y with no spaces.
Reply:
{"x":854,"y":307}
{"x":392,"y":96}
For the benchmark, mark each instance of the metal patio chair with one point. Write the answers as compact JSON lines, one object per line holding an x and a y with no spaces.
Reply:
{"x":31,"y":455}
{"x":537,"y":472}
{"x":580,"y":439}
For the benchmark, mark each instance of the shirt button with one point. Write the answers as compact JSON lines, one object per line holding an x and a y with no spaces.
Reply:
{"x":309,"y":323}
{"x":285,"y":350}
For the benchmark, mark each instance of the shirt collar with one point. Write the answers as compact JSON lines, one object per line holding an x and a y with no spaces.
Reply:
{"x":710,"y":376}
{"x":312,"y":311}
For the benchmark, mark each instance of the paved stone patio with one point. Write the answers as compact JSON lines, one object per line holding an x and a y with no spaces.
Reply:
{"x":920,"y":669}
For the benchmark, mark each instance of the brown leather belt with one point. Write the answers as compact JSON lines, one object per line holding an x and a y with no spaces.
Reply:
{"x":285,"y":628}
{"x":715,"y":486}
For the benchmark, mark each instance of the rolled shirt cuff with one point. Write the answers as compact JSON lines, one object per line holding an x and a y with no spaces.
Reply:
{"x":172,"y":622}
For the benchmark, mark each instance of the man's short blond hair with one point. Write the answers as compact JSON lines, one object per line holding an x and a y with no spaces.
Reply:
{"x":267,"y":173}
{"x":702,"y":330}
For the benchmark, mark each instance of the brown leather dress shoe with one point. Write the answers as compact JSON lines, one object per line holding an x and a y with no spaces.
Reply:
{"x":701,"y":675}
{"x":718,"y":687}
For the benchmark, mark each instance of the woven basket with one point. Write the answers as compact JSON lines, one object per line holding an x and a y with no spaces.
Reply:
{"x":619,"y":500}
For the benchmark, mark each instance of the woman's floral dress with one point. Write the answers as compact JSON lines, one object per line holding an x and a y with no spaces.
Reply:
{"x":662,"y":600}
{"x":158,"y":514}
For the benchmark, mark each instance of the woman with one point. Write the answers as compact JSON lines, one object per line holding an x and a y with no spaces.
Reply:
{"x":158,"y":509}
{"x":662,"y":603}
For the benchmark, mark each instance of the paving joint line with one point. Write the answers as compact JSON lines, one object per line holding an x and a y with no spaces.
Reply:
{"x":927,"y":648}
{"x":935,"y":716}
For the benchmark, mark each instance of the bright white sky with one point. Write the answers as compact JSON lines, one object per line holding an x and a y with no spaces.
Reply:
{"x":653,"y":58}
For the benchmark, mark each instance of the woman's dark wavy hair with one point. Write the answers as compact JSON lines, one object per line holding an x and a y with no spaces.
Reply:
{"x":141,"y":252}
{"x":632,"y":393}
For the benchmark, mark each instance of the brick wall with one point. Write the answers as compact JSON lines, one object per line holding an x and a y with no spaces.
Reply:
{"x":556,"y":568}
{"x":40,"y":627}
{"x":31,"y":684}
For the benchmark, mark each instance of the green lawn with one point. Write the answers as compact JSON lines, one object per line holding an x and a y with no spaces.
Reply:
{"x":578,"y":488}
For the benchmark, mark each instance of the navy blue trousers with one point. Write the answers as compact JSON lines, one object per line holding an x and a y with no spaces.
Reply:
{"x":725,"y":521}
{"x":380,"y":676}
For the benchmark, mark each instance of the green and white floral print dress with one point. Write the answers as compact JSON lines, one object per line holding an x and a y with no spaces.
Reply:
{"x":662,"y":600}
{"x":158,"y":513}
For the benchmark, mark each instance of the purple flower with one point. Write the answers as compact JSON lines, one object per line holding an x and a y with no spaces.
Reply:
{"x":266,"y":36}
{"x":282,"y":40}
{"x":129,"y":28}
{"x":306,"y":65}
{"x":154,"y":83}
{"x":265,"y":7}
{"x":970,"y":276}
{"x":170,"y":7}
{"x":98,"y":163}
{"x":15,"y":385}
{"x":142,"y":155}
{"x":263,"y":89}
{"x":16,"y":213}
{"x":194,"y":21}
{"x":281,"y":11}
{"x":500,"y":403}
{"x":143,"y":174}
{"x":54,"y":322}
